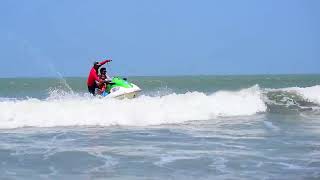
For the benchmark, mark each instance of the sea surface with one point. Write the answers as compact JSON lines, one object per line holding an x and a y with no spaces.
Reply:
{"x":186,"y":127}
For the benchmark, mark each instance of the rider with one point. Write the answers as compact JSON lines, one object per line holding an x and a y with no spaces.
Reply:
{"x":93,"y":78}
{"x":102,"y":86}
{"x":103,"y":71}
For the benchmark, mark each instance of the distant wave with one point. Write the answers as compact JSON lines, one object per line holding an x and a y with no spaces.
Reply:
{"x":63,"y":109}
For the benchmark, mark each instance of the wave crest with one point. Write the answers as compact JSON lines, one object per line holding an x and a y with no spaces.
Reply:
{"x":77,"y":110}
{"x":71,"y":109}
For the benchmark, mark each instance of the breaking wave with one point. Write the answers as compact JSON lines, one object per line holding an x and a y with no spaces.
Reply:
{"x":293,"y":99}
{"x":83,"y":110}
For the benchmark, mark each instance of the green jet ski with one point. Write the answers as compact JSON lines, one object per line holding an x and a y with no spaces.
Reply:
{"x":120,"y":88}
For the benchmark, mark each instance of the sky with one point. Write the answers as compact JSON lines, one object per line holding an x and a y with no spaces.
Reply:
{"x":159,"y":37}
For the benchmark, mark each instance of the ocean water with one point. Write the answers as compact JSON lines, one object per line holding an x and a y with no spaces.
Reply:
{"x":188,"y":127}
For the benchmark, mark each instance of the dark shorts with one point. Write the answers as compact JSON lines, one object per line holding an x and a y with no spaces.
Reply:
{"x":92,"y":89}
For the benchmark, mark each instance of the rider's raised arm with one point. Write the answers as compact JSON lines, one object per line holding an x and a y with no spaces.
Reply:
{"x":105,"y":61}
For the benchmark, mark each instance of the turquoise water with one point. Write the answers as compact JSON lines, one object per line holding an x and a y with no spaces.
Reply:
{"x":188,"y":127}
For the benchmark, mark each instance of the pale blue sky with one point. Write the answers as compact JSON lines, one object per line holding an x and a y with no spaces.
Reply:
{"x":159,"y":37}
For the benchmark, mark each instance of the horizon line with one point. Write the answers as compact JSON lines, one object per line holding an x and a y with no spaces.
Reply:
{"x":177,"y":75}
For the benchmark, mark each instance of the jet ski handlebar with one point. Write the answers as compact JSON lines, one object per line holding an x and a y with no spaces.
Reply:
{"x":109,"y":82}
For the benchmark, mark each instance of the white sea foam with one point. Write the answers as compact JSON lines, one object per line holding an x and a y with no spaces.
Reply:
{"x":271,"y":125}
{"x":143,"y":111}
{"x":171,"y":158}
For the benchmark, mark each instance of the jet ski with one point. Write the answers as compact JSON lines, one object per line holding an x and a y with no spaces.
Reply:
{"x":120,"y":88}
